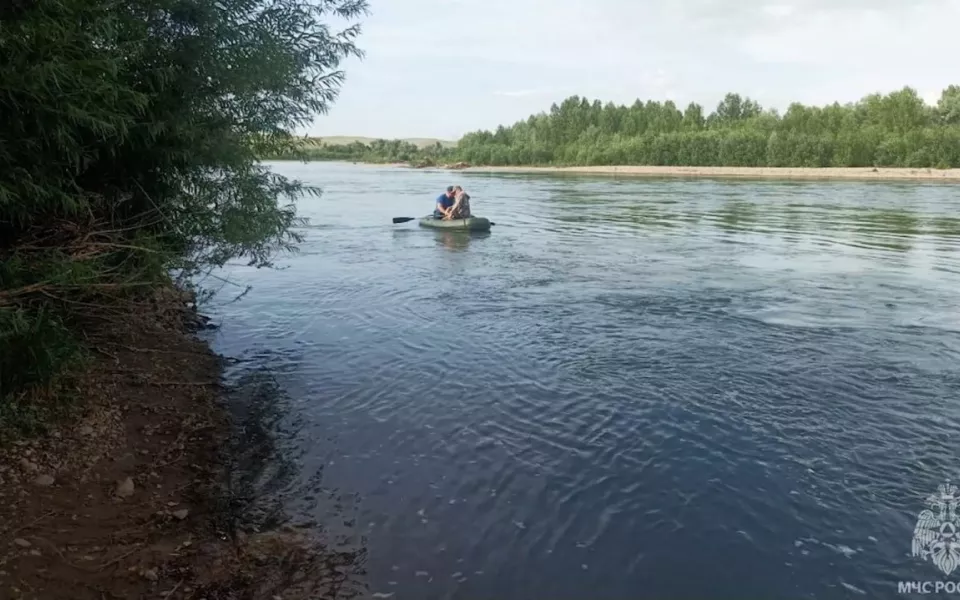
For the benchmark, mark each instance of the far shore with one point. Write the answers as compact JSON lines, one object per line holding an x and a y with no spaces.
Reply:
{"x":866,"y":173}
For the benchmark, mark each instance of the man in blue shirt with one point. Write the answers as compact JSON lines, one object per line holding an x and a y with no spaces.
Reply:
{"x":444,"y":203}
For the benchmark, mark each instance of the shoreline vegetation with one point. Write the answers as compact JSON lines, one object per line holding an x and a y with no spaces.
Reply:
{"x":650,"y":171}
{"x":129,"y":172}
{"x":786,"y":173}
{"x":886,"y":132}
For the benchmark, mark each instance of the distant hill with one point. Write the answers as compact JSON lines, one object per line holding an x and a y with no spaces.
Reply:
{"x":341,"y":140}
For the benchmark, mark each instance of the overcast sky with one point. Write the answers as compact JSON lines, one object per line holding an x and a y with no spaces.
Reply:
{"x":442,"y":68}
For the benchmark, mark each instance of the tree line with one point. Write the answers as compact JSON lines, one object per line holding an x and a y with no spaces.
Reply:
{"x":130,"y":137}
{"x":377,"y":151}
{"x":882,"y":130}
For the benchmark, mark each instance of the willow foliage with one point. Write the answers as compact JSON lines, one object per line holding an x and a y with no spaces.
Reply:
{"x":129,"y":137}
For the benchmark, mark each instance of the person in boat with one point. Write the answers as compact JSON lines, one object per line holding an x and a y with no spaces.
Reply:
{"x":445,"y":202}
{"x":461,"y":204}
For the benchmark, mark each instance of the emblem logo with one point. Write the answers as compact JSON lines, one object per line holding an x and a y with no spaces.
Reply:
{"x":936,"y":534}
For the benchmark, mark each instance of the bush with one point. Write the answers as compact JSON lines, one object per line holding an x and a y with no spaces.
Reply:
{"x":129,"y":149}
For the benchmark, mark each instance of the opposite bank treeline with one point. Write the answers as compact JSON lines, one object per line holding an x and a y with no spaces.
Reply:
{"x":893,"y":130}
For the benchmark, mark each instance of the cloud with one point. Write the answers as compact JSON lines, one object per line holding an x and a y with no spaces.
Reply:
{"x":776,"y":51}
{"x":519,"y":93}
{"x":779,"y":11}
{"x":865,"y":37}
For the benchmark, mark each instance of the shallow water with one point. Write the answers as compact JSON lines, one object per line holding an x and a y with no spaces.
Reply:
{"x":629,"y":388}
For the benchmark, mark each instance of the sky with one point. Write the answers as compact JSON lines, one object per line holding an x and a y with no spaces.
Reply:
{"x":442,"y":68}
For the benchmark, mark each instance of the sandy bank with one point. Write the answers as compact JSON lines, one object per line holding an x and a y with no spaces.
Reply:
{"x":879,"y":174}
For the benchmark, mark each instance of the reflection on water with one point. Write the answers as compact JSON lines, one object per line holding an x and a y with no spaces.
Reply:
{"x":272,"y":487}
{"x":624,"y":383}
{"x":261,"y":468}
{"x":459,"y":240}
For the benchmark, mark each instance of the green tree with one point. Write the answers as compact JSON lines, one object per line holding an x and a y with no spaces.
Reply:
{"x":733,"y":108}
{"x":131,"y":133}
{"x":948,"y":107}
{"x":693,"y":117}
{"x":895,"y":129}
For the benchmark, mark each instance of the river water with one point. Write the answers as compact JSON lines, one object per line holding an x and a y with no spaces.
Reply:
{"x":629,"y":388}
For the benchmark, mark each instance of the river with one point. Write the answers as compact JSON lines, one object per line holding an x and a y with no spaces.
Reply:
{"x":629,"y":388}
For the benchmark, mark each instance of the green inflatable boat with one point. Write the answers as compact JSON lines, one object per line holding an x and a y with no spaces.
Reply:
{"x":468,"y":224}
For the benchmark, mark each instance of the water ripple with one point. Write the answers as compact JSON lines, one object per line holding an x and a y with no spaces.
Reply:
{"x":625,"y":381}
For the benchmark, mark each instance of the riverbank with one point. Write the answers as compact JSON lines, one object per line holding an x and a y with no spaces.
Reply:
{"x":131,"y":498}
{"x":860,"y":174}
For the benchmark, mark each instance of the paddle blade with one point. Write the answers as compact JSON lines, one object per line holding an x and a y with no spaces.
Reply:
{"x":403,"y":219}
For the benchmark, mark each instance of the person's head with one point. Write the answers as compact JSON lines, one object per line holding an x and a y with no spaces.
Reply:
{"x":457,"y":189}
{"x":450,"y":191}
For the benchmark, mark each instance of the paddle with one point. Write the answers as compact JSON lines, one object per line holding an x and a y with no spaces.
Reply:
{"x":405,"y":219}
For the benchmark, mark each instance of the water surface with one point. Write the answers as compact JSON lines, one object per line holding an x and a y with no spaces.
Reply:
{"x":629,"y":388}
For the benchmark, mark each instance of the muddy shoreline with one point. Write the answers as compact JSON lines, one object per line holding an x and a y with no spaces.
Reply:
{"x":131,"y":497}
